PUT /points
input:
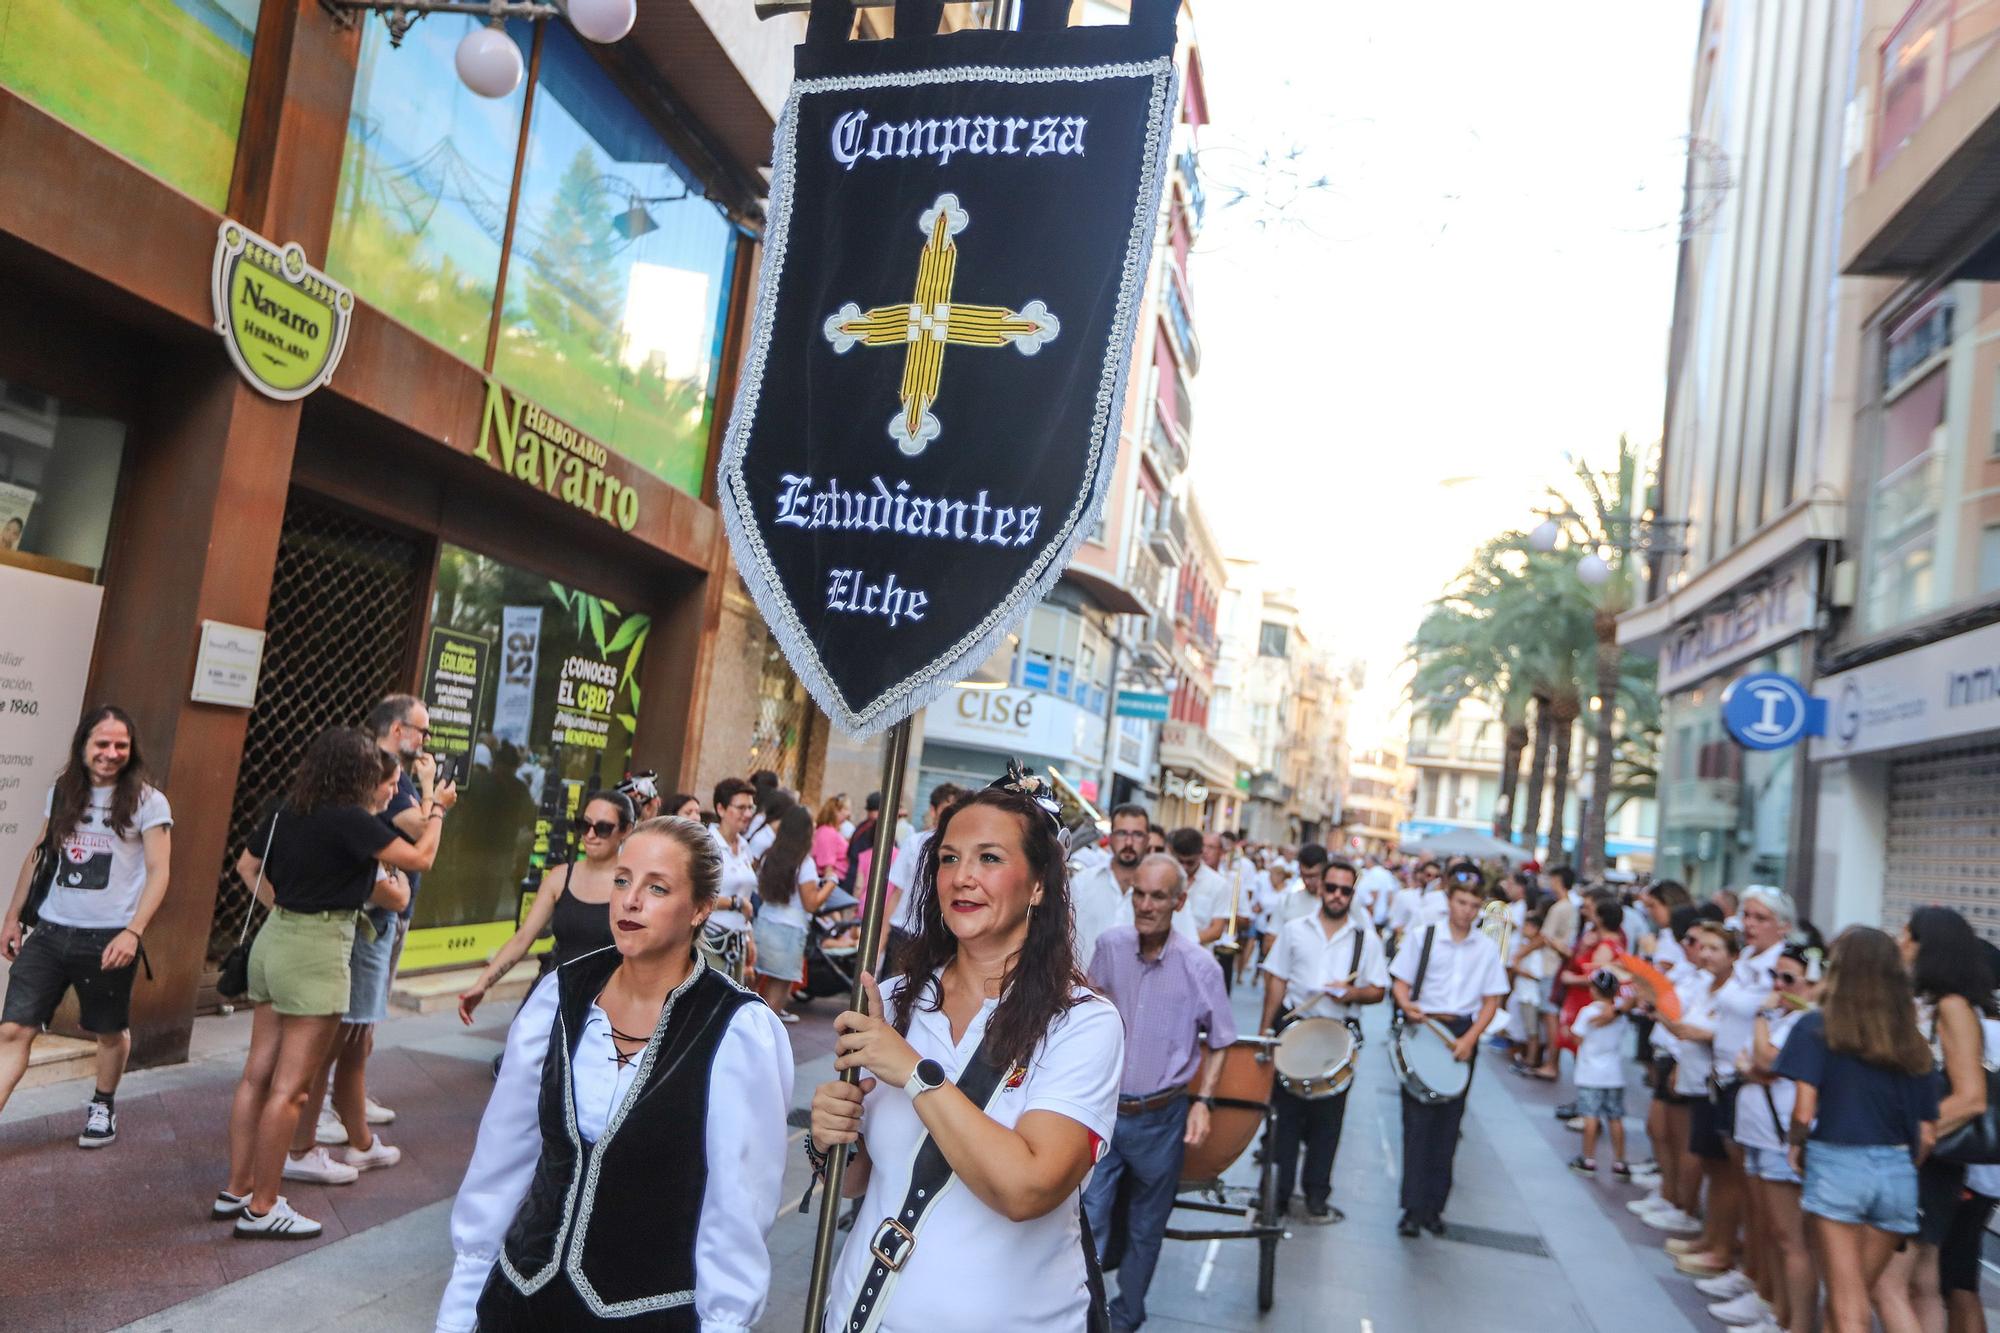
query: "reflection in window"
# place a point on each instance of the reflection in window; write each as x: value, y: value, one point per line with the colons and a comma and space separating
x: 58, y: 481
x: 160, y: 81
x: 424, y: 184
x: 616, y: 290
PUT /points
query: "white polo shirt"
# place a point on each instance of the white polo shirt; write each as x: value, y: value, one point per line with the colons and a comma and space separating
x: 903, y: 878
x: 1208, y: 899
x: 1097, y: 903
x: 1416, y: 908
x: 1375, y: 892
x: 1737, y: 1003
x: 972, y: 1270
x: 1461, y: 973
x: 739, y: 879
x: 1308, y: 959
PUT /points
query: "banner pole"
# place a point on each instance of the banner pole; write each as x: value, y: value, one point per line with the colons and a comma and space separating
x: 895, y: 759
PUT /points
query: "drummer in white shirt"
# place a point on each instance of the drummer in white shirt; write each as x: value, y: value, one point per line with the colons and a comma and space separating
x: 1424, y: 903
x: 1461, y: 986
x: 1326, y: 965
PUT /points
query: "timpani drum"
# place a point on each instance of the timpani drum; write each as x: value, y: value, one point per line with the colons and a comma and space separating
x: 1241, y: 1095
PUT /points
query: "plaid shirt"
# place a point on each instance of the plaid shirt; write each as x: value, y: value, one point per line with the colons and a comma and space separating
x: 1166, y: 1003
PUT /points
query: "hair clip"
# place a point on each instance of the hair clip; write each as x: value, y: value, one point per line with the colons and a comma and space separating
x: 1021, y: 782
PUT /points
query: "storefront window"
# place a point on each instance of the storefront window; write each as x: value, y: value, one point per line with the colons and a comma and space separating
x: 424, y: 184
x: 160, y: 81
x: 58, y: 481
x: 1726, y: 816
x: 548, y: 676
x: 616, y: 291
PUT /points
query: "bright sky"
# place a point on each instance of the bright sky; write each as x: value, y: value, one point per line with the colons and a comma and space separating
x: 1395, y: 363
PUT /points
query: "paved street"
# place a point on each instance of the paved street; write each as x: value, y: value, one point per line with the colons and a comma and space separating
x: 1534, y: 1249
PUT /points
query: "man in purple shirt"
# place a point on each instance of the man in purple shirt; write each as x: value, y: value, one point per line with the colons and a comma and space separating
x: 1177, y: 1022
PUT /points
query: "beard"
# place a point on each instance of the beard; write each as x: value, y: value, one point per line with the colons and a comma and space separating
x: 1126, y: 856
x: 1332, y: 915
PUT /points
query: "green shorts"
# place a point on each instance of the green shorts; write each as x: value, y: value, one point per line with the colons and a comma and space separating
x: 298, y: 965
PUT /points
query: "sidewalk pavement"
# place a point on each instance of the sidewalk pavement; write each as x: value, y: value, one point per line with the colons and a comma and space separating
x: 1533, y: 1249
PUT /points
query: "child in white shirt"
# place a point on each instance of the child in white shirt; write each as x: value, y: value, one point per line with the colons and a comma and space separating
x: 1529, y: 971
x: 1600, y: 1073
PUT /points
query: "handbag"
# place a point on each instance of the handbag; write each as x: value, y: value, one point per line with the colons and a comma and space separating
x: 234, y: 980
x: 40, y: 879
x: 1977, y: 1141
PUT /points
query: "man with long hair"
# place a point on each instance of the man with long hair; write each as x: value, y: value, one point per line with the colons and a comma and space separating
x: 107, y: 826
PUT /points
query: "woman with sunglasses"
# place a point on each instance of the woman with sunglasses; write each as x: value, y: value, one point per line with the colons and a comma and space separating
x: 575, y: 900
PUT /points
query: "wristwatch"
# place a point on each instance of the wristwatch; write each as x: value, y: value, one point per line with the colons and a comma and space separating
x: 928, y: 1074
x: 1207, y: 1101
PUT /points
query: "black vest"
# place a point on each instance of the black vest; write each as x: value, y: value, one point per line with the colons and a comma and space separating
x: 618, y: 1217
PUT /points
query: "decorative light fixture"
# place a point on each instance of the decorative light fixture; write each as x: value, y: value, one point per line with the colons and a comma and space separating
x: 1593, y: 570
x: 482, y: 64
x: 1544, y: 537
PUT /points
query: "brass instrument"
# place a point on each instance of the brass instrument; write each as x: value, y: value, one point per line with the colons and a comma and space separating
x: 1495, y: 926
x: 1228, y: 943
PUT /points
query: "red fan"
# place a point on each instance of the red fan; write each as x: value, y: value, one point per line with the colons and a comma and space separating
x: 1651, y: 983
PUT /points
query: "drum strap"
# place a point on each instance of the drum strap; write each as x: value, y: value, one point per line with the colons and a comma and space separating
x: 1354, y: 964
x: 1423, y: 965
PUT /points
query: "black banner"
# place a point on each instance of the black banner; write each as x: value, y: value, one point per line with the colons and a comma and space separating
x: 455, y: 679
x: 959, y: 236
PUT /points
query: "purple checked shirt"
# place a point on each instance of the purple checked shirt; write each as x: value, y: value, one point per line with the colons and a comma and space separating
x: 1164, y: 1002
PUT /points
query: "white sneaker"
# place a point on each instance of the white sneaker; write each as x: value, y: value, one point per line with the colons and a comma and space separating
x: 330, y: 1130
x: 377, y: 1154
x: 1651, y: 1203
x: 281, y: 1223
x: 1727, y: 1287
x: 378, y: 1114
x: 1578, y: 1122
x: 1673, y: 1221
x: 319, y: 1169
x: 1748, y: 1308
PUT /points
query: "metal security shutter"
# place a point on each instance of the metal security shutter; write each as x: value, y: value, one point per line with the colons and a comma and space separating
x: 1944, y: 837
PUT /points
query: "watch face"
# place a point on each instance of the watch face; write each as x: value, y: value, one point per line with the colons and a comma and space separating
x: 930, y: 1073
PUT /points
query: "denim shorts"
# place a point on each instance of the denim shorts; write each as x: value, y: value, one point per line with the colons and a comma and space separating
x: 370, y: 967
x: 1769, y: 1164
x: 1863, y: 1185
x: 58, y: 958
x: 1601, y: 1103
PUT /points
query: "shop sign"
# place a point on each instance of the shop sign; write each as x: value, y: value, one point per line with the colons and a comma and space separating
x: 1753, y: 620
x: 520, y: 654
x: 455, y: 674
x: 227, y: 665
x: 45, y: 644
x: 1937, y: 692
x: 537, y: 448
x: 585, y: 693
x: 1767, y: 711
x: 1017, y: 722
x: 1147, y: 707
x: 1190, y: 789
x: 283, y: 321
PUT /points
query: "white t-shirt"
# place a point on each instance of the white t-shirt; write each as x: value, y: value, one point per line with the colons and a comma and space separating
x: 1097, y: 903
x: 1375, y: 891
x: 1534, y: 965
x: 1598, y: 1048
x: 1308, y: 959
x: 1669, y: 956
x: 101, y: 874
x: 1754, y: 1126
x: 903, y: 878
x: 1416, y: 908
x: 739, y: 880
x: 792, y: 913
x: 1460, y: 974
x: 1694, y: 1059
x: 1737, y: 1003
x: 1208, y: 899
x: 1028, y: 1275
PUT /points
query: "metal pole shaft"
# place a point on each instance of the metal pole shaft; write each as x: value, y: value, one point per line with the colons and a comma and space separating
x: 895, y: 758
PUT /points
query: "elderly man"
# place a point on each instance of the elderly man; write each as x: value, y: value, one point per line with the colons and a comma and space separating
x: 1177, y: 1023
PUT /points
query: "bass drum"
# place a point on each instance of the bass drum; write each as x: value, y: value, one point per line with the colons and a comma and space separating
x: 1315, y: 1057
x: 1421, y: 1055
x: 1241, y: 1096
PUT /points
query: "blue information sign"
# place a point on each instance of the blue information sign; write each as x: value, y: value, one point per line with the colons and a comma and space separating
x: 1767, y: 711
x: 1149, y: 707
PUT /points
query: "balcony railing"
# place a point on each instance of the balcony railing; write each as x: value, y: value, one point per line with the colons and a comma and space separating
x: 1197, y: 201
x: 1166, y: 445
x: 1925, y: 57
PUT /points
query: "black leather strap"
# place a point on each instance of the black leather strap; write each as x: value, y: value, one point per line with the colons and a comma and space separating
x: 1423, y: 965
x: 1354, y: 966
x: 895, y: 1238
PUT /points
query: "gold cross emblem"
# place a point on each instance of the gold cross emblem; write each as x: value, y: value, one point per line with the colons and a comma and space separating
x: 932, y: 320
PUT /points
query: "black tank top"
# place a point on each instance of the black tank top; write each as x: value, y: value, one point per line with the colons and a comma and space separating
x: 580, y: 927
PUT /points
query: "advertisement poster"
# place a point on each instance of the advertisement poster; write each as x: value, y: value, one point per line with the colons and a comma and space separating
x: 45, y: 644
x: 454, y: 683
x: 585, y: 692
x: 520, y: 651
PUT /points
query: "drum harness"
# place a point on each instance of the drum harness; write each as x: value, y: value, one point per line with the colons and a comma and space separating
x: 1353, y: 973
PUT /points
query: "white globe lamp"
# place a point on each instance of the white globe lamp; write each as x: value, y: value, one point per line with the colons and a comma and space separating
x: 1593, y: 571
x: 602, y: 21
x: 488, y: 62
x: 1543, y: 538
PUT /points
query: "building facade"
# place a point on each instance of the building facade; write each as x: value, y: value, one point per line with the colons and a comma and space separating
x: 1380, y: 787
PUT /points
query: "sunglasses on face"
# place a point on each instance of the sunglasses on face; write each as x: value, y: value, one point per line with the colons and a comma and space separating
x: 1344, y: 890
x: 1788, y: 978
x: 603, y: 828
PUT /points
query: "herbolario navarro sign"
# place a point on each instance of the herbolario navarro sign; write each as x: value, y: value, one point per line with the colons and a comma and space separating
x: 955, y: 258
x: 283, y: 321
x: 534, y: 446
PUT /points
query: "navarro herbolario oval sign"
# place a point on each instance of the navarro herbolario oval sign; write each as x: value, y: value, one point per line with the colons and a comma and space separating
x: 283, y: 321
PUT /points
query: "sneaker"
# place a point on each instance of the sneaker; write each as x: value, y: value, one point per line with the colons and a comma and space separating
x: 378, y: 1114
x: 787, y: 1016
x: 1696, y: 1265
x: 1674, y: 1222
x: 1652, y: 1203
x: 1577, y: 1122
x: 1583, y: 1166
x: 1645, y: 1168
x: 1749, y: 1308
x: 330, y: 1131
x: 1566, y: 1111
x: 227, y: 1205
x: 1678, y: 1247
x: 1324, y: 1215
x: 319, y: 1169
x: 376, y: 1154
x: 1725, y: 1288
x: 1621, y: 1173
x: 281, y: 1223
x: 100, y: 1126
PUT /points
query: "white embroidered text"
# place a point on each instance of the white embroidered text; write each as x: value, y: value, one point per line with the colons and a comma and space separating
x: 980, y: 136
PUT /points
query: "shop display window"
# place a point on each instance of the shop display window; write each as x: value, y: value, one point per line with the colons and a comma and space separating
x: 1725, y: 815
x: 158, y: 81
x: 424, y: 185
x: 549, y: 718
x: 620, y: 274
x: 58, y: 483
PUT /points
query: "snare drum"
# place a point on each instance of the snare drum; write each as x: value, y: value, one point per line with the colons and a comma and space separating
x: 1421, y: 1054
x: 1315, y: 1057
